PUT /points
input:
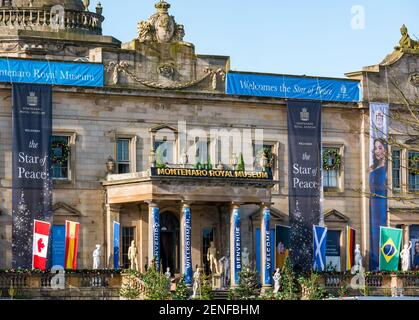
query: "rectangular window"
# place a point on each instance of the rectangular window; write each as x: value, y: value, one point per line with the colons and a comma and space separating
x: 123, y: 155
x: 60, y: 157
x: 263, y: 156
x: 164, y: 152
x: 207, y: 237
x: 413, y: 171
x: 396, y: 169
x: 127, y: 236
x: 330, y: 172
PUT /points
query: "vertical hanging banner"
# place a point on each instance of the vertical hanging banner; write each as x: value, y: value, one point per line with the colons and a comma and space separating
x: 156, y: 236
x: 116, y: 244
x: 32, y: 184
x: 304, y: 158
x: 71, y: 244
x: 350, y: 248
x: 41, y: 232
x: 237, y: 250
x: 377, y: 178
x: 188, y: 246
x: 320, y: 238
x: 266, y: 242
x: 390, y: 242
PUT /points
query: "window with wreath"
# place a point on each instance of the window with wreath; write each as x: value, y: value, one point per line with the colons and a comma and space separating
x: 60, y: 157
x: 332, y: 160
x: 263, y: 157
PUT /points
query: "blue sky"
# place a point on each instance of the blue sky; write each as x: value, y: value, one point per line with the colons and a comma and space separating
x: 279, y: 36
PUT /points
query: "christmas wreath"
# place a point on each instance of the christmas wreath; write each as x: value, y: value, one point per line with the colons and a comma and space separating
x: 331, y: 160
x: 414, y: 165
x: 65, y: 151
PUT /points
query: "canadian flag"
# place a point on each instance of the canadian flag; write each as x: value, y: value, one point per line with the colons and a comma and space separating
x: 41, y: 231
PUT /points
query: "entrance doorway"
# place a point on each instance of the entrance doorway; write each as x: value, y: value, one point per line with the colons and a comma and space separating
x: 170, y: 242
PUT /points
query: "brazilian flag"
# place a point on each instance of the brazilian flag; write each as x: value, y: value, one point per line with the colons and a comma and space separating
x: 390, y: 242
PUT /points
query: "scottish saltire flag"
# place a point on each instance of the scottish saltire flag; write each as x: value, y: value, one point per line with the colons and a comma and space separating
x: 390, y: 242
x: 319, y: 236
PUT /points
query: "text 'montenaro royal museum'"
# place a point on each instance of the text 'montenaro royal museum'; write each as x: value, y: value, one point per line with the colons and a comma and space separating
x: 148, y: 142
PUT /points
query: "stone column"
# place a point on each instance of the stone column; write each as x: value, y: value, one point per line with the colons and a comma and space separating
x: 235, y: 245
x: 186, y: 243
x: 154, y: 234
x: 266, y: 250
x: 112, y: 214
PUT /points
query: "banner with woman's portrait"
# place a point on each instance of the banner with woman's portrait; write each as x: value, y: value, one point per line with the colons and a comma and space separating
x: 378, y: 177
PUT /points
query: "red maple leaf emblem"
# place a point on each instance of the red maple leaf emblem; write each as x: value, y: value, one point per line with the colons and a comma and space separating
x: 41, y: 244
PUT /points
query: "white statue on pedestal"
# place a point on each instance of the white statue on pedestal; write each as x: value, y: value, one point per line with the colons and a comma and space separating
x: 132, y: 256
x: 212, y: 258
x: 196, y: 282
x: 245, y: 258
x: 358, y: 256
x: 96, y: 257
x: 168, y: 276
x: 405, y: 256
x: 225, y: 269
x: 277, y: 279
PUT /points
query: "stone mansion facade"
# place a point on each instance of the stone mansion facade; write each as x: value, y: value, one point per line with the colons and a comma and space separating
x: 155, y: 84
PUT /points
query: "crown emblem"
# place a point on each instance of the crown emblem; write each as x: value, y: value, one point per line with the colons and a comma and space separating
x: 304, y: 115
x: 162, y: 6
x: 32, y: 99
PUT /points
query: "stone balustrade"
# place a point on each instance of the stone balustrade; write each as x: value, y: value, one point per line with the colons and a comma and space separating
x: 39, y: 19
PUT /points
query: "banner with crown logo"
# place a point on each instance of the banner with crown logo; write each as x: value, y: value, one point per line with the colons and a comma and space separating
x: 32, y: 184
x: 304, y: 154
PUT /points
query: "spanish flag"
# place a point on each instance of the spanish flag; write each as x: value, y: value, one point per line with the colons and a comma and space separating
x: 350, y: 248
x: 71, y: 242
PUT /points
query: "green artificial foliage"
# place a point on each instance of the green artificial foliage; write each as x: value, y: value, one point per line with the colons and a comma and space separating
x: 182, y: 291
x: 241, y: 165
x: 159, y: 159
x: 248, y: 286
x: 313, y: 291
x: 155, y: 284
x: 290, y: 287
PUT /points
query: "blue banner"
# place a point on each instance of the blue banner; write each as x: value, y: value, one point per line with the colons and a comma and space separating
x: 31, y: 166
x: 237, y: 245
x: 188, y: 246
x: 58, y: 245
x: 267, y: 246
x: 379, y: 113
x: 279, y: 86
x: 50, y: 72
x: 156, y: 236
x: 320, y: 238
x: 116, y: 244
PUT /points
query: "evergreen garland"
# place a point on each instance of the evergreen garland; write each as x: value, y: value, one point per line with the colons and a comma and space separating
x: 327, y: 155
x: 65, y: 151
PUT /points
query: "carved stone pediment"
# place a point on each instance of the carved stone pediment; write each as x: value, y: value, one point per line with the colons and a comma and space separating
x: 335, y: 216
x: 63, y: 209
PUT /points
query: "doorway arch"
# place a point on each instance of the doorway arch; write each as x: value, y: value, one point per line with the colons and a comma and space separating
x: 170, y: 242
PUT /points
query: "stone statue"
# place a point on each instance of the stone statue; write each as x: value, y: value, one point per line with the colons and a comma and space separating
x: 96, y: 257
x: 168, y: 276
x: 161, y: 27
x: 358, y: 256
x: 405, y: 256
x: 225, y: 269
x: 132, y: 256
x: 196, y: 282
x: 406, y: 43
x: 277, y: 279
x: 245, y: 258
x: 212, y: 258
